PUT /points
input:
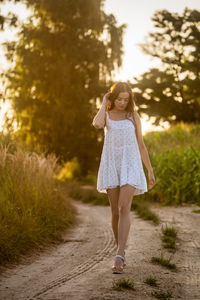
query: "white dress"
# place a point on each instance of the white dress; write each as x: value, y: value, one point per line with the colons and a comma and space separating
x: 120, y: 162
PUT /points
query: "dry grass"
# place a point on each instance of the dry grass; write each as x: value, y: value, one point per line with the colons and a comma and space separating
x: 34, y: 207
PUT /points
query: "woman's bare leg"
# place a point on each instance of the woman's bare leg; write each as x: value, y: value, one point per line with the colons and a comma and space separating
x: 125, y: 199
x: 113, y: 196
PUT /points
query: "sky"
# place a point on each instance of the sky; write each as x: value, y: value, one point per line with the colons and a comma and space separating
x: 137, y: 15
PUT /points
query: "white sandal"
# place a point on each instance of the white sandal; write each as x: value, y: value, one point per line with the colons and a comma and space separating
x: 118, y: 270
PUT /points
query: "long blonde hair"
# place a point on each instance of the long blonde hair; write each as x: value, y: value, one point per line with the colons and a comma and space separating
x: 117, y: 88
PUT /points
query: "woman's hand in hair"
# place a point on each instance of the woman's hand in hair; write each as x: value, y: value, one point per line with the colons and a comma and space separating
x: 106, y: 101
x: 99, y: 120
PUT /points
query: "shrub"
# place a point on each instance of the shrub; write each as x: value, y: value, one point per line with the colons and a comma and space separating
x: 70, y: 170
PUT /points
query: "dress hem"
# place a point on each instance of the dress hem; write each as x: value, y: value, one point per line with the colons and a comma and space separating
x: 138, y: 189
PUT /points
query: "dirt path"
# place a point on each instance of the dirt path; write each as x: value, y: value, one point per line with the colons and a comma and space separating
x: 80, y: 267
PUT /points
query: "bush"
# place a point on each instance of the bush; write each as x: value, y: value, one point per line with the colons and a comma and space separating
x: 70, y: 170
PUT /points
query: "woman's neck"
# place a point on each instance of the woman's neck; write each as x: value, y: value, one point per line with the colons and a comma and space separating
x: 118, y: 111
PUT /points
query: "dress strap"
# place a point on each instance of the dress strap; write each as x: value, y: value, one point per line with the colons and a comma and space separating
x: 131, y: 116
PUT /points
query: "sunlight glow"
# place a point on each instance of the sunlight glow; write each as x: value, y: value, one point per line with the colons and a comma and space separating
x: 4, y: 109
x: 137, y: 15
x: 148, y: 127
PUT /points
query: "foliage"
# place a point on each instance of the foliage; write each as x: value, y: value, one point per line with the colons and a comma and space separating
x: 34, y: 207
x: 162, y: 295
x: 143, y: 210
x: 165, y: 262
x: 70, y: 170
x: 151, y: 281
x: 175, y: 157
x: 123, y: 283
x: 9, y: 20
x: 178, y: 176
x: 169, y: 236
x: 90, y: 195
x: 63, y: 61
x: 177, y: 137
x: 197, y: 211
x: 171, y: 93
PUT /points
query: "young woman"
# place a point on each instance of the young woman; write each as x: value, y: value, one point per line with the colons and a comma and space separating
x: 121, y: 173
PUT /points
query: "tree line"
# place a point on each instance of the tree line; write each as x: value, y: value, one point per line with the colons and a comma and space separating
x: 62, y: 64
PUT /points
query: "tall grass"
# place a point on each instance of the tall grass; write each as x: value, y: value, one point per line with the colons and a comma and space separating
x: 178, y: 176
x: 175, y: 156
x: 176, y: 138
x: 34, y: 208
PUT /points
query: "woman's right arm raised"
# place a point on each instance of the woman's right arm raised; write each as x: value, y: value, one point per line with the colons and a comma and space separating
x: 99, y: 119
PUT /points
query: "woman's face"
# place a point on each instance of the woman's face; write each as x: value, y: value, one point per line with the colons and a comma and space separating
x: 121, y: 101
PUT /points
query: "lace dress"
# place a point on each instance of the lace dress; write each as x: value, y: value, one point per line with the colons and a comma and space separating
x: 120, y: 161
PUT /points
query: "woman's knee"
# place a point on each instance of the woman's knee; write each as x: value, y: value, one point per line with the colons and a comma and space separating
x: 115, y: 214
x: 127, y: 191
x: 113, y: 192
x: 124, y: 208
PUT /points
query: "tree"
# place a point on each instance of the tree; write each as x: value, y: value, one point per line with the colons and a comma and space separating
x: 10, y: 19
x: 172, y: 93
x: 64, y: 59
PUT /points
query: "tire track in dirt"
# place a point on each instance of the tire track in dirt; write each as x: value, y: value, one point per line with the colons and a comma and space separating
x: 83, y: 267
x: 143, y: 243
x: 81, y: 244
x: 87, y: 254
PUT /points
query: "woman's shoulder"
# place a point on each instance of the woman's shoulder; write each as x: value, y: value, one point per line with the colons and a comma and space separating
x: 136, y: 115
x: 129, y: 114
x: 132, y: 114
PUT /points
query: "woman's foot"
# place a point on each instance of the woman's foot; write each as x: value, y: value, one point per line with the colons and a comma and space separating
x: 118, y: 264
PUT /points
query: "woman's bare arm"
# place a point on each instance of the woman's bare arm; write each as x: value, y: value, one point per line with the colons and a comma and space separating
x: 143, y: 151
x: 141, y: 144
x: 100, y: 117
